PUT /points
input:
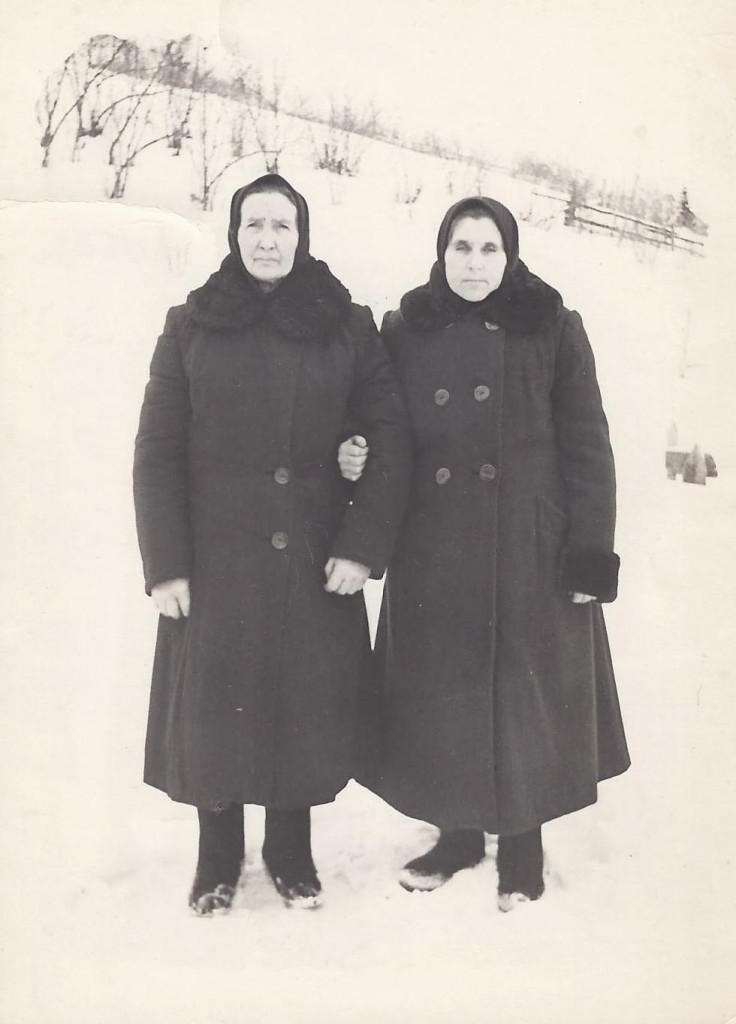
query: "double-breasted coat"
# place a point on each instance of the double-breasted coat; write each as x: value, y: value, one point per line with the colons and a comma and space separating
x: 238, y: 489
x: 494, y: 704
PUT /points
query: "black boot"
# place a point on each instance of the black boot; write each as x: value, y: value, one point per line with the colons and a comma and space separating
x: 454, y: 850
x: 287, y: 854
x: 221, y: 854
x: 520, y: 863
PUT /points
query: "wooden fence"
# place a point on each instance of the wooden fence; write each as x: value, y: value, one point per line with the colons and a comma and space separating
x: 595, y: 218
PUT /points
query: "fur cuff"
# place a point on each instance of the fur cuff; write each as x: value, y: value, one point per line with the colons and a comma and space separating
x: 591, y: 572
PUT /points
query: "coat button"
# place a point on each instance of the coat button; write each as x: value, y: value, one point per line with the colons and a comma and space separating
x: 280, y: 540
x: 487, y: 471
x: 490, y: 327
x: 481, y: 393
x: 282, y: 475
x: 442, y: 475
x: 441, y: 397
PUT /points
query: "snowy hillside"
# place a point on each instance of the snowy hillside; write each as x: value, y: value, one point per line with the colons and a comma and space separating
x: 641, y: 903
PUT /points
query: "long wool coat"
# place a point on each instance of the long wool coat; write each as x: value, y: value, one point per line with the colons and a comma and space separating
x: 237, y: 488
x: 495, y: 705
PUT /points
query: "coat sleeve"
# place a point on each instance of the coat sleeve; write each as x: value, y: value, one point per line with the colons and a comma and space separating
x: 376, y: 408
x: 589, y: 563
x: 160, y: 466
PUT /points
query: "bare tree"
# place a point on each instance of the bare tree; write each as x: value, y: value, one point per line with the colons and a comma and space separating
x: 268, y: 120
x: 408, y: 190
x: 217, y: 143
x: 47, y: 110
x: 183, y: 71
x: 163, y: 71
x: 177, y: 116
x: 70, y: 91
x: 269, y: 113
x: 138, y: 121
x: 340, y: 147
x: 135, y: 136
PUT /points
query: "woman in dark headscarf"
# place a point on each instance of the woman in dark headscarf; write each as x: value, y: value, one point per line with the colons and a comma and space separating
x: 495, y: 707
x: 254, y: 547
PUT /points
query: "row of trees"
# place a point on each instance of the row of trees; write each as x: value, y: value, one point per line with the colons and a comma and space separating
x: 128, y: 99
x: 125, y: 99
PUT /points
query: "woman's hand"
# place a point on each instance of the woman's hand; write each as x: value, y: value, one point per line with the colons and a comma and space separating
x: 344, y: 577
x: 578, y: 598
x: 351, y: 456
x: 172, y: 598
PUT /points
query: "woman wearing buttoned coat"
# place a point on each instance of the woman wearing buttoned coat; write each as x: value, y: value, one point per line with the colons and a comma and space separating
x: 495, y: 706
x: 254, y: 548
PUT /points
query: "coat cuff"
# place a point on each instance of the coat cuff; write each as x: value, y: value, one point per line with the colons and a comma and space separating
x: 364, y: 555
x: 594, y: 572
x: 163, y: 570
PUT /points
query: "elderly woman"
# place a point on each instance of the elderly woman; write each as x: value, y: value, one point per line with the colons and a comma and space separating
x: 254, y: 547
x: 495, y: 707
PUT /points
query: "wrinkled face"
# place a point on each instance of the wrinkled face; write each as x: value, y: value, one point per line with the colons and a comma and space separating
x: 474, y: 259
x: 268, y: 237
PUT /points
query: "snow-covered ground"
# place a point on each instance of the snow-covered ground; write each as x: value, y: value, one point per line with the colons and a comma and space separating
x: 641, y: 905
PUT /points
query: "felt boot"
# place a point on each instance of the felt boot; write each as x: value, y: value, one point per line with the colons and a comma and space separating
x: 520, y: 863
x: 453, y: 851
x: 287, y: 854
x: 221, y: 854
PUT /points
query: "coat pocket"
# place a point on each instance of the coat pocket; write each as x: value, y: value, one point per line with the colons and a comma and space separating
x: 550, y: 517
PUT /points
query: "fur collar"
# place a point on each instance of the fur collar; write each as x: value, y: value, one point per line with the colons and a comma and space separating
x: 308, y: 304
x: 522, y: 303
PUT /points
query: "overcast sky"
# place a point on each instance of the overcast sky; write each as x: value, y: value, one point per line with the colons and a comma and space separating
x: 619, y: 88
x: 622, y: 87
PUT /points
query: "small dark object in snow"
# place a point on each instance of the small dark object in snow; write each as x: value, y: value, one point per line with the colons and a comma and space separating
x: 693, y: 466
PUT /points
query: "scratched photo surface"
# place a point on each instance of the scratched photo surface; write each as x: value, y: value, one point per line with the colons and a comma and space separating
x: 608, y: 131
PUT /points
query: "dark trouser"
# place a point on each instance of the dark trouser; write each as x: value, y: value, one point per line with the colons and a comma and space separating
x: 221, y: 847
x: 287, y: 844
x: 520, y: 863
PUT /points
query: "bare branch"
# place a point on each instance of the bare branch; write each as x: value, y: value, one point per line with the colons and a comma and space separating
x: 236, y: 160
x: 82, y: 81
x: 140, y: 122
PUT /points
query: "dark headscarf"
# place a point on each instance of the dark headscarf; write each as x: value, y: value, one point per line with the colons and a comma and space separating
x: 503, y: 218
x: 522, y: 302
x: 270, y: 183
x: 307, y: 304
